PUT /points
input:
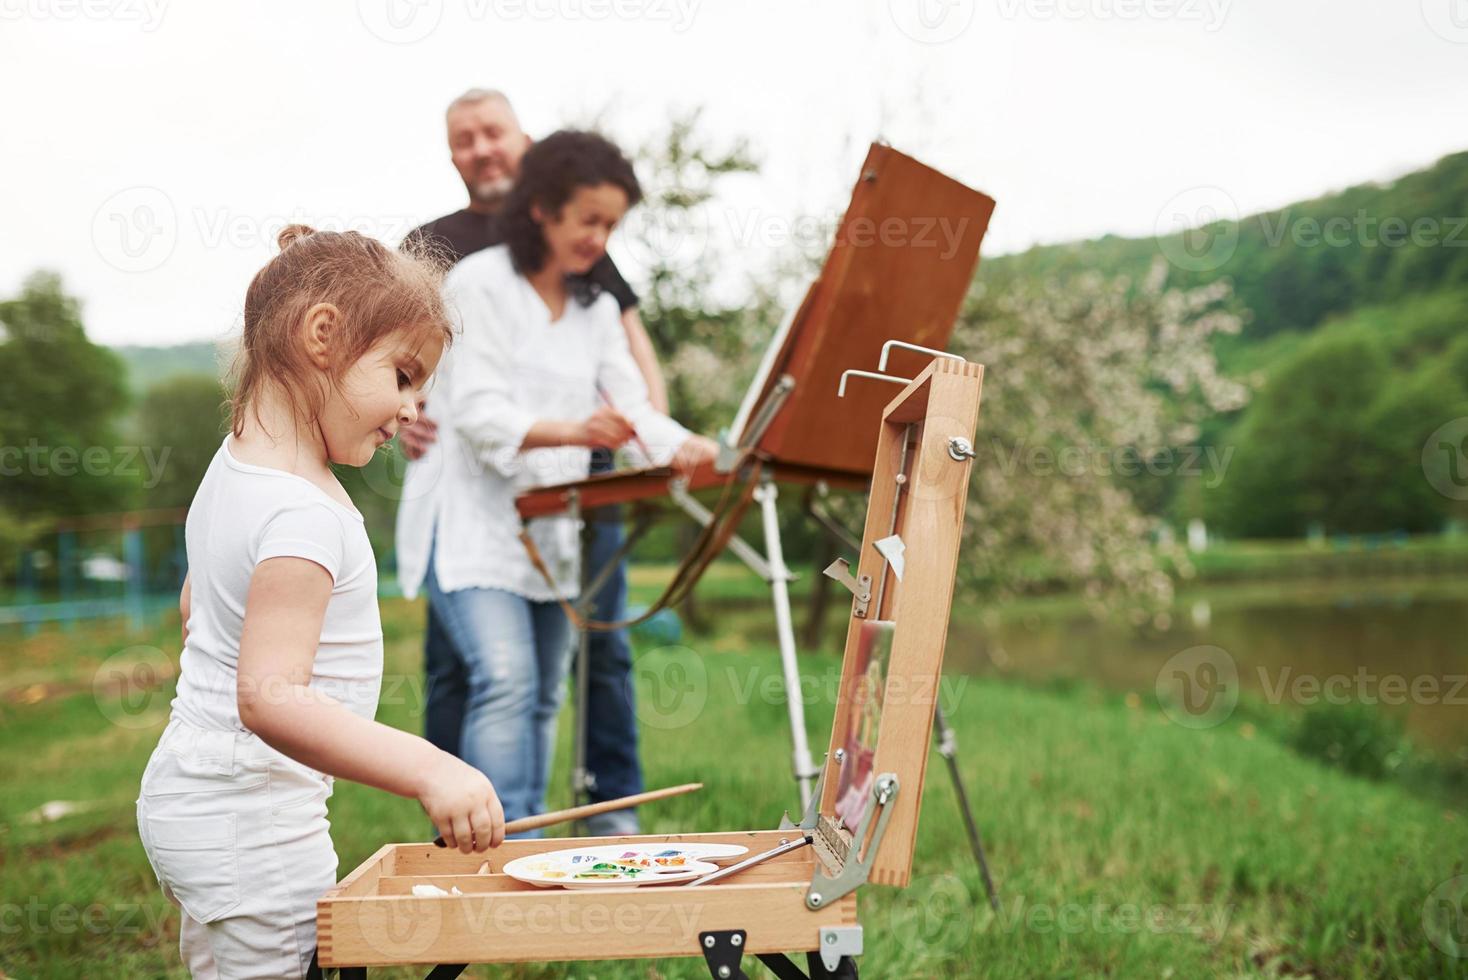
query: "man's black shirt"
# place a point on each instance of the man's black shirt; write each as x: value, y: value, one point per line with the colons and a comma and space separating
x: 465, y: 232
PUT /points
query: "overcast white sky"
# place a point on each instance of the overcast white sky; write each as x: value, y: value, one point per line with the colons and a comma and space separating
x: 153, y: 147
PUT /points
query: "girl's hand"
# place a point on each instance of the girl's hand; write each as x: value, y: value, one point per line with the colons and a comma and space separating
x: 462, y: 804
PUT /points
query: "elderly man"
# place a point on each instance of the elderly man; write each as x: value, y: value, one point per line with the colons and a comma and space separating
x: 486, y: 144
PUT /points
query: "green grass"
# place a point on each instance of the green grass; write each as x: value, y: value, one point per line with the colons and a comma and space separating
x: 1352, y: 557
x: 1122, y: 844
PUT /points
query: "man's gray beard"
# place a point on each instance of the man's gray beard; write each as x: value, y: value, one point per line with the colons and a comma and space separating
x: 491, y: 196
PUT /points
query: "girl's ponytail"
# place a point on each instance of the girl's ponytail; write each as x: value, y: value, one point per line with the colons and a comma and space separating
x: 291, y: 234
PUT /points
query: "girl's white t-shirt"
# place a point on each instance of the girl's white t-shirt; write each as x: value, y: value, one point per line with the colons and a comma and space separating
x: 241, y: 515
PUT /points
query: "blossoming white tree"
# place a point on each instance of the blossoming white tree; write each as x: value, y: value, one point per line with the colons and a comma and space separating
x: 1087, y: 379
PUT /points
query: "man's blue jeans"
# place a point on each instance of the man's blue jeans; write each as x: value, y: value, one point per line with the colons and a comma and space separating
x: 611, y: 730
x: 448, y: 688
x: 513, y: 654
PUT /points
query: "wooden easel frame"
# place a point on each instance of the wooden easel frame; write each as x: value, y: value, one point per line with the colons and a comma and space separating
x: 372, y: 918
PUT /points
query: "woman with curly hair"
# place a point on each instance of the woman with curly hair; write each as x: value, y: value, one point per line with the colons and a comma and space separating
x: 541, y: 375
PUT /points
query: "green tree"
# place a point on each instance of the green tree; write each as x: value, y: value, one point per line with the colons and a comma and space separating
x: 1396, y: 425
x: 185, y: 418
x: 1298, y: 450
x: 62, y: 396
x: 1334, y: 439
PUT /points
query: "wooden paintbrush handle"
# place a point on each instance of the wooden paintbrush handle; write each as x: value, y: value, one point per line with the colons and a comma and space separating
x: 540, y: 820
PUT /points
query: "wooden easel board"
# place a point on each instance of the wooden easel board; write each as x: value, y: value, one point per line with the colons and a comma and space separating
x: 904, y: 256
x: 926, y: 507
x: 902, y: 261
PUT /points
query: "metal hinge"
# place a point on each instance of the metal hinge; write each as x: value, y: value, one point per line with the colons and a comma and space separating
x: 825, y: 889
x: 861, y: 588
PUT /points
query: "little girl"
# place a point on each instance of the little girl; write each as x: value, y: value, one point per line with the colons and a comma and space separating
x: 282, y: 651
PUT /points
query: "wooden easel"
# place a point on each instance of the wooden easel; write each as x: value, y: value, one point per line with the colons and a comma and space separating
x: 862, y: 823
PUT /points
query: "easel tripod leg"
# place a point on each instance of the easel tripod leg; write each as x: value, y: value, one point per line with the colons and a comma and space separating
x: 804, y: 766
x: 781, y: 966
x: 948, y: 749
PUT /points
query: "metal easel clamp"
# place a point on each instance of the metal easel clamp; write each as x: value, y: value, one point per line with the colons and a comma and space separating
x: 839, y: 941
x: 727, y: 458
x: 812, y: 816
x: 730, y: 454
x: 825, y: 889
x: 861, y: 588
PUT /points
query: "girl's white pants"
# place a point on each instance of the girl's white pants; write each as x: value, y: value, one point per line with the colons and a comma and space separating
x: 238, y: 837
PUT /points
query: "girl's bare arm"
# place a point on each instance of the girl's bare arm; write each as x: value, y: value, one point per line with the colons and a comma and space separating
x: 283, y: 618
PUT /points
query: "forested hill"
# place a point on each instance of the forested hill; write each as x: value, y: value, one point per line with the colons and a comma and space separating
x: 1294, y: 268
x: 1356, y: 330
x: 146, y: 366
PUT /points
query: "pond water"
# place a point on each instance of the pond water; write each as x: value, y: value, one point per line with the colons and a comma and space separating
x: 1401, y: 645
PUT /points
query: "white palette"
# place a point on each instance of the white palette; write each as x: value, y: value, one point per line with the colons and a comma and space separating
x: 620, y: 865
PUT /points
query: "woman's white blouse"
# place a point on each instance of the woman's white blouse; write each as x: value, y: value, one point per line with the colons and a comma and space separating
x: 508, y: 368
